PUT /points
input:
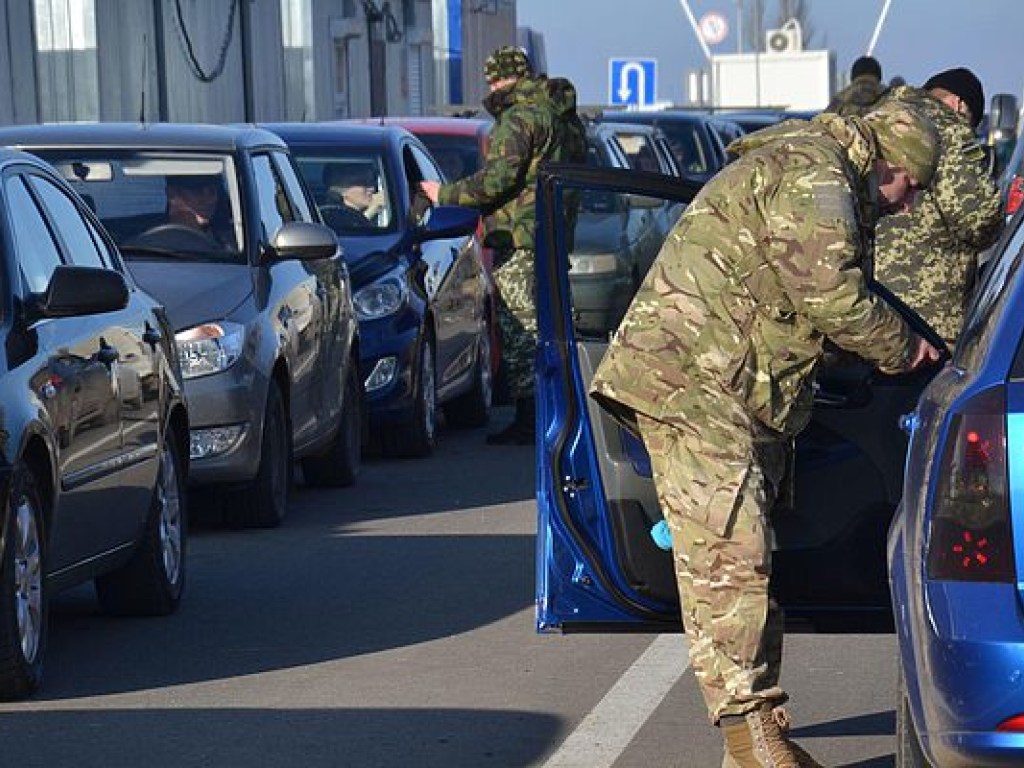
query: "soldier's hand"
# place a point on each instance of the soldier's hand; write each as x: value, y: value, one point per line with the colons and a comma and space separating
x: 430, y: 189
x: 923, y: 354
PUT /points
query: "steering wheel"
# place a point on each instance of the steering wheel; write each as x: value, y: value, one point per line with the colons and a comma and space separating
x: 176, y: 237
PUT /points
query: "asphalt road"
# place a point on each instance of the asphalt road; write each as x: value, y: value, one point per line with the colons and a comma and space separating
x: 391, y: 624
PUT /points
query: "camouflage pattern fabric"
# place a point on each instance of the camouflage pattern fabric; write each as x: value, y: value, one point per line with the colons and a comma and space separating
x: 723, y: 555
x: 907, y: 138
x: 535, y: 122
x: 929, y: 256
x: 517, y: 321
x: 764, y: 263
x: 858, y: 97
x: 507, y: 61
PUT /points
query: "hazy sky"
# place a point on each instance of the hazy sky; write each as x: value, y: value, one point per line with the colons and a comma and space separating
x: 918, y: 38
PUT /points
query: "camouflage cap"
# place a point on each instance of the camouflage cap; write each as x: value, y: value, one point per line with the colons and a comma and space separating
x: 906, y: 138
x: 507, y: 61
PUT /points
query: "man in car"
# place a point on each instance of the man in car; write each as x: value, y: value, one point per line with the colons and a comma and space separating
x: 193, y: 201
x: 713, y: 366
x: 535, y: 122
x: 864, y: 90
x: 352, y: 200
x: 929, y: 256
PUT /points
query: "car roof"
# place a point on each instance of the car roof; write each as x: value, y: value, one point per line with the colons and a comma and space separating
x: 458, y: 126
x: 219, y: 138
x: 653, y: 116
x: 9, y: 156
x: 338, y: 133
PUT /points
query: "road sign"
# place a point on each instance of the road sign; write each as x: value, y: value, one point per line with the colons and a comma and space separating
x: 632, y: 82
x: 713, y: 28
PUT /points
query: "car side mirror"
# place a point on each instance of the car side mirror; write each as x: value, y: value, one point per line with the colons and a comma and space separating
x: 447, y: 221
x: 74, y: 291
x: 1003, y: 115
x: 305, y: 241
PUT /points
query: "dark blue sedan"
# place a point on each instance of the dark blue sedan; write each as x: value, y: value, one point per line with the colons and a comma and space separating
x: 956, y: 547
x: 422, y: 304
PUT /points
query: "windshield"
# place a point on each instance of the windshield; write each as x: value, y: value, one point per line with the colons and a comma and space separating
x: 160, y: 204
x: 352, y: 189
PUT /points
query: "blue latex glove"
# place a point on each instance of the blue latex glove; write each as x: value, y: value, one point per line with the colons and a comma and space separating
x: 662, y: 536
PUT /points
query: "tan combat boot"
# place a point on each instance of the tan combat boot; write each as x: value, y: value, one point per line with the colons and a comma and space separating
x: 759, y: 741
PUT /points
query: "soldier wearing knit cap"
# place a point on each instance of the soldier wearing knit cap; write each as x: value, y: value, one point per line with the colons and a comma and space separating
x: 535, y: 121
x: 713, y: 366
x: 928, y: 256
x: 864, y: 90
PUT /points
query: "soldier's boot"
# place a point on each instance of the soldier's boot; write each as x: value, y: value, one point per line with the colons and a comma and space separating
x: 758, y: 740
x: 522, y: 430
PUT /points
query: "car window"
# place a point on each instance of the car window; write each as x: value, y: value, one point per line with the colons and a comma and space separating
x: 79, y: 244
x: 988, y: 301
x: 686, y: 146
x: 293, y: 187
x: 428, y: 171
x: 274, y: 206
x: 351, y: 187
x: 38, y: 254
x: 639, y: 151
x: 458, y: 156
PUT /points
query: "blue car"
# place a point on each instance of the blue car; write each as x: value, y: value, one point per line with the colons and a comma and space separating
x: 956, y: 547
x: 422, y: 300
x: 598, y: 565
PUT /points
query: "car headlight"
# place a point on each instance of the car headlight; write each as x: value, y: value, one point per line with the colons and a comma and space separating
x: 209, y: 348
x: 380, y: 298
x: 593, y: 263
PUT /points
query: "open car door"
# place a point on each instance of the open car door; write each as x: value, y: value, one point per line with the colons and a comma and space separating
x: 598, y: 567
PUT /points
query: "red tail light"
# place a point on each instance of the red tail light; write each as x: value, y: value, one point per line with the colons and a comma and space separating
x: 1015, y: 195
x: 970, y: 538
x: 1013, y: 724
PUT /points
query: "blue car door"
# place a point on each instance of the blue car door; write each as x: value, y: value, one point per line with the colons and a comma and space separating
x: 598, y: 565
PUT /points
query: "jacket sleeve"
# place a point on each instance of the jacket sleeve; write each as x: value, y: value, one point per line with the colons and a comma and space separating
x: 966, y: 196
x: 815, y: 250
x: 500, y: 178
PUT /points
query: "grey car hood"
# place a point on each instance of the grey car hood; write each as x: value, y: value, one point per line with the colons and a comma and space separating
x: 194, y: 292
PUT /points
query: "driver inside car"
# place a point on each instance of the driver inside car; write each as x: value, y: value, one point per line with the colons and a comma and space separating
x: 193, y: 202
x: 353, y: 200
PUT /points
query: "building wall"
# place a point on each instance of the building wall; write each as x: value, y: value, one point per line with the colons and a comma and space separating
x: 19, y: 100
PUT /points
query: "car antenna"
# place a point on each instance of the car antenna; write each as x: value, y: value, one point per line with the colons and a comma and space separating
x: 145, y: 79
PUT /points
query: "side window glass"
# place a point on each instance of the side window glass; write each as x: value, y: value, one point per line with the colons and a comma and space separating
x: 428, y: 170
x: 67, y: 218
x: 38, y: 254
x: 293, y: 187
x: 274, y: 210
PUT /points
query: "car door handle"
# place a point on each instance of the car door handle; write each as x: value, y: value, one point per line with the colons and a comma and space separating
x: 108, y: 356
x: 151, y: 336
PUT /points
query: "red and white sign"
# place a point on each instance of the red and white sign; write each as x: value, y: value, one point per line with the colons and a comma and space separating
x: 713, y: 28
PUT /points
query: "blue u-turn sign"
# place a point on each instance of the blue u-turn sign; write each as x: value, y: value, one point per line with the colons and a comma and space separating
x: 632, y: 82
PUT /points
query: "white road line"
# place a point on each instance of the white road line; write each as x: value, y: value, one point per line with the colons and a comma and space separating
x: 606, y: 732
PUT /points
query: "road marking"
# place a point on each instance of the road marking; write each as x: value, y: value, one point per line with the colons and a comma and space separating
x: 605, y: 733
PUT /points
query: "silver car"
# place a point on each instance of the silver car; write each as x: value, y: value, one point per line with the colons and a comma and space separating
x: 215, y: 222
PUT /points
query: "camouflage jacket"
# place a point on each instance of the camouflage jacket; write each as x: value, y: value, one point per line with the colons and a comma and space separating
x: 858, y: 97
x: 765, y: 262
x: 535, y: 122
x: 928, y: 256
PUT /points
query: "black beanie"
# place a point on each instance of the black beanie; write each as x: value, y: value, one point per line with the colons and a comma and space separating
x: 963, y: 83
x: 866, y: 65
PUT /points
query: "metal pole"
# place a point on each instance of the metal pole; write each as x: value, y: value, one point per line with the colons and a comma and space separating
x: 696, y: 29
x: 878, y: 27
x: 739, y: 26
x: 160, y: 54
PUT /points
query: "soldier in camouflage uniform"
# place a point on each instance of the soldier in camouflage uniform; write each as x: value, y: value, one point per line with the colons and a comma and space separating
x: 535, y: 122
x: 713, y: 363
x: 864, y: 90
x: 928, y: 256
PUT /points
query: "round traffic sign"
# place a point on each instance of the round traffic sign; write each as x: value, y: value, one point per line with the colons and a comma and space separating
x: 713, y: 28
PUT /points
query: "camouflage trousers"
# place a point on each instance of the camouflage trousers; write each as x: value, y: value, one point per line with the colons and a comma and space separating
x: 716, y: 477
x: 517, y: 321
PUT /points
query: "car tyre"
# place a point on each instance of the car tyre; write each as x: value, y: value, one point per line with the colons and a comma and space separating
x: 419, y: 436
x: 473, y: 408
x: 908, y: 746
x: 264, y: 503
x: 152, y: 582
x: 340, y: 465
x: 23, y: 599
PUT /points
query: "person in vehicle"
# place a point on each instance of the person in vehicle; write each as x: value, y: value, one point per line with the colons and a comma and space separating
x: 352, y: 199
x: 928, y: 256
x: 713, y: 364
x: 535, y: 122
x: 864, y: 90
x: 193, y: 201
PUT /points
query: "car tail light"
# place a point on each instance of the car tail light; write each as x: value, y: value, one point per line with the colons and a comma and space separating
x: 1013, y: 724
x: 970, y: 538
x: 1015, y: 195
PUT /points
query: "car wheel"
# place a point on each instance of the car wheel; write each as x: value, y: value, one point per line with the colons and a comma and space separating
x: 908, y: 745
x: 264, y: 503
x: 339, y: 466
x: 473, y: 408
x: 418, y: 437
x: 152, y: 582
x: 23, y: 604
